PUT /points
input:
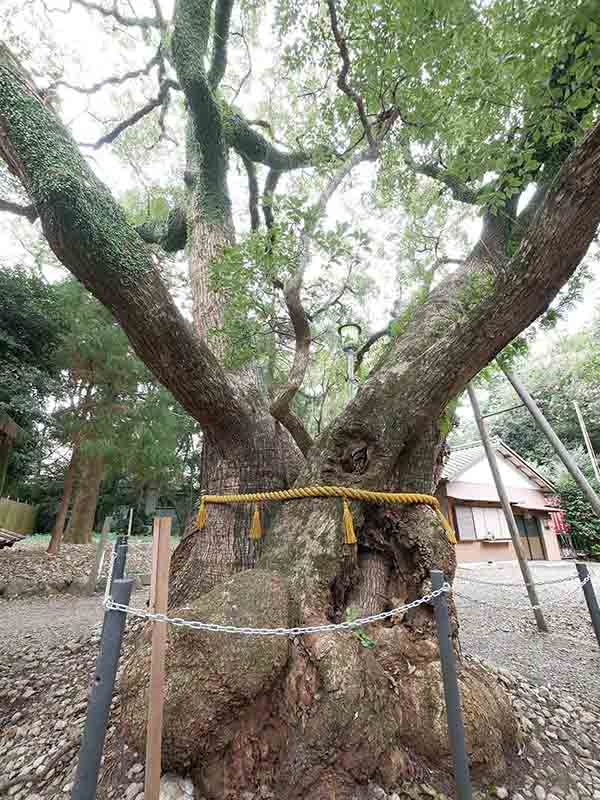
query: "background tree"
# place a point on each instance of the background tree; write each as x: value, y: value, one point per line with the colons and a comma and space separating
x: 493, y: 106
x: 32, y: 322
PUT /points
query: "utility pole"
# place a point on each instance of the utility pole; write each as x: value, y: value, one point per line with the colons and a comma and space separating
x: 508, y: 513
x: 588, y: 441
x: 559, y: 448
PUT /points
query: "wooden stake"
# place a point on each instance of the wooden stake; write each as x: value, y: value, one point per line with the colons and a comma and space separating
x: 99, y: 559
x: 159, y: 593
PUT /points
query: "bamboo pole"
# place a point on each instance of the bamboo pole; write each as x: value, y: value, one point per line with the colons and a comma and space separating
x: 159, y: 592
x: 508, y: 513
x: 588, y: 441
x: 559, y: 448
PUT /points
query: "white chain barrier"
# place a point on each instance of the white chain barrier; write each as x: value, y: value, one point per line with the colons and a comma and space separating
x: 214, y: 627
x: 524, y: 606
x: 461, y: 577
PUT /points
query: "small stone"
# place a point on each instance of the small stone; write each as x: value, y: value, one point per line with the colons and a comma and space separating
x: 539, y: 792
x: 67, y: 787
x: 501, y: 792
x: 134, y: 789
x: 376, y: 792
x: 394, y: 796
x: 551, y: 796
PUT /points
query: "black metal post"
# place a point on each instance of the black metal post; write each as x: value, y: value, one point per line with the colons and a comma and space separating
x: 121, y: 546
x: 456, y: 729
x: 100, y: 695
x: 590, y: 598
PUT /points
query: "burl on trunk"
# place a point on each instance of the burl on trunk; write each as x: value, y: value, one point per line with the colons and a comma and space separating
x: 317, y: 716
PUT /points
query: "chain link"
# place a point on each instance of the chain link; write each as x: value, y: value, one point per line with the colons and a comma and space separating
x: 461, y: 577
x: 525, y: 607
x: 110, y: 605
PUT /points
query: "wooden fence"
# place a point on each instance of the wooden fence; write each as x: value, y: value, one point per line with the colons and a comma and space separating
x: 17, y: 517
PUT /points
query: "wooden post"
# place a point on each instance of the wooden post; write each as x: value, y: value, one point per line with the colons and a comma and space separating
x: 94, y: 574
x: 159, y: 595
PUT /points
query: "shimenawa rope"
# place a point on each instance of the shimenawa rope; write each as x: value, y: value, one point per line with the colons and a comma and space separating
x: 344, y: 492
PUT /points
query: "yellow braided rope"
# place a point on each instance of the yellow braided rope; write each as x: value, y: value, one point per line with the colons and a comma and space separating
x: 300, y: 492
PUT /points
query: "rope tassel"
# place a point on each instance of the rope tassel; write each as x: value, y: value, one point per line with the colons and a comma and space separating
x: 201, y: 515
x: 445, y: 525
x: 256, y: 527
x: 349, y: 535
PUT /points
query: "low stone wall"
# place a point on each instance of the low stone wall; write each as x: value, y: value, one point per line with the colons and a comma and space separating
x: 26, y: 570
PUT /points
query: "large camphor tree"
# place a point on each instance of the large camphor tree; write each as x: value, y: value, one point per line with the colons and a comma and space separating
x: 486, y: 105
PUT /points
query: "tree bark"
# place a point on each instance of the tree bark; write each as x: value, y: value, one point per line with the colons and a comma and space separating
x: 61, y: 514
x: 81, y: 523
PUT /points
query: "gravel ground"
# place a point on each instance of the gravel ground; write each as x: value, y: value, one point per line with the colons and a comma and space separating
x: 41, y: 714
x: 49, y: 622
x: 497, y: 624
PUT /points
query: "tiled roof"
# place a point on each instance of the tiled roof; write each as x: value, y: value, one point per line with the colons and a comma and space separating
x: 461, y: 458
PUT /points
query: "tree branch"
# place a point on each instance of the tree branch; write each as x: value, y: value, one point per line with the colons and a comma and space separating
x: 342, y: 80
x: 364, y: 349
x: 470, y: 317
x: 257, y: 148
x: 280, y: 407
x: 90, y: 235
x: 134, y: 22
x: 220, y: 42
x: 170, y: 233
x: 109, y: 137
x: 460, y: 191
x: 29, y: 212
x: 114, y: 80
x: 269, y: 193
x: 253, y: 193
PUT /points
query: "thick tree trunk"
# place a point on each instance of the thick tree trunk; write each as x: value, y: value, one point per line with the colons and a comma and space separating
x: 81, y: 523
x: 61, y: 514
x: 316, y: 717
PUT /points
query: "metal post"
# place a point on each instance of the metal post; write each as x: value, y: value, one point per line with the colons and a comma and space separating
x: 100, y: 696
x: 350, y: 371
x: 121, y: 546
x: 456, y: 728
x: 508, y: 512
x: 559, y: 448
x: 588, y: 441
x: 590, y: 598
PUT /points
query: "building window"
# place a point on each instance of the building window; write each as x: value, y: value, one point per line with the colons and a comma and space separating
x: 480, y: 522
x: 465, y: 523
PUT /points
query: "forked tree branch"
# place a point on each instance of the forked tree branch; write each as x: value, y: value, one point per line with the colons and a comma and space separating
x: 342, y: 80
x: 108, y: 138
x: 90, y: 235
x: 281, y: 405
